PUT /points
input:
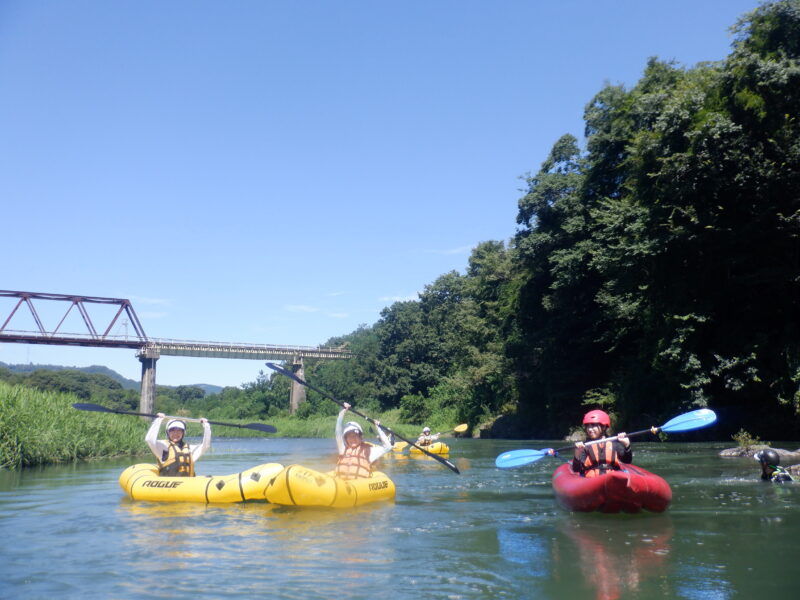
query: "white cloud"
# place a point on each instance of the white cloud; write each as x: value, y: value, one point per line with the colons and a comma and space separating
x: 300, y: 308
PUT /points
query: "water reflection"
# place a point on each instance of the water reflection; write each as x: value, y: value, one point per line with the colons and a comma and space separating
x: 615, y: 554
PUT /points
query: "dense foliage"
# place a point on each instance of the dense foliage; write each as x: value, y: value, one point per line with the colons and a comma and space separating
x: 654, y: 271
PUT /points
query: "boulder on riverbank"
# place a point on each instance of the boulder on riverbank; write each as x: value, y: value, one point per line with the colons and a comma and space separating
x: 787, y: 456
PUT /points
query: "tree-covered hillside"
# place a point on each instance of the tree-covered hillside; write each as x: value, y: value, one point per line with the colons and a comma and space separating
x: 654, y: 270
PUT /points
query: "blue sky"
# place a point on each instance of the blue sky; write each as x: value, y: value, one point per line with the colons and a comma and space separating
x: 279, y: 172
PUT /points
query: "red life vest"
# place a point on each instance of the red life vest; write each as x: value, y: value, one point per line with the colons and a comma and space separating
x: 354, y: 462
x: 599, y: 458
x: 176, y: 461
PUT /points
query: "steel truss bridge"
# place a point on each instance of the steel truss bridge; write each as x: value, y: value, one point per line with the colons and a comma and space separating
x: 148, y: 349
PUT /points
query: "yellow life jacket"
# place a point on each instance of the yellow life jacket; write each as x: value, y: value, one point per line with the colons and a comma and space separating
x: 354, y: 462
x: 176, y: 461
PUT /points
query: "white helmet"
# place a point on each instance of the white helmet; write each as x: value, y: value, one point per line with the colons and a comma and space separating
x: 176, y: 424
x: 426, y: 430
x: 352, y: 426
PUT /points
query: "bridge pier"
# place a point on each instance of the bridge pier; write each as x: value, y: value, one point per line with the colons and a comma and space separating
x: 148, y: 358
x: 298, y: 393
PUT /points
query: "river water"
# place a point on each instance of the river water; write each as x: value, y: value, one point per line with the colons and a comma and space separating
x: 71, y: 532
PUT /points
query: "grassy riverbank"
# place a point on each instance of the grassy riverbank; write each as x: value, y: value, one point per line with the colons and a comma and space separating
x: 42, y: 428
x: 38, y: 428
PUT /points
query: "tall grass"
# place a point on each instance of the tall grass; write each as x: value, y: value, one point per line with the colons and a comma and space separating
x: 42, y: 427
x: 39, y: 428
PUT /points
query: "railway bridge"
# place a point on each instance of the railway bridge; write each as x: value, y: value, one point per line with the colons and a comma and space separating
x: 148, y: 350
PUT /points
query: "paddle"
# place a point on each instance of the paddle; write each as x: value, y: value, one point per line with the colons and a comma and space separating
x: 400, y: 446
x: 685, y: 422
x: 98, y: 408
x: 294, y: 377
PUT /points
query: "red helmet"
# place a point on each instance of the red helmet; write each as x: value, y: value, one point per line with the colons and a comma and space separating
x: 597, y: 416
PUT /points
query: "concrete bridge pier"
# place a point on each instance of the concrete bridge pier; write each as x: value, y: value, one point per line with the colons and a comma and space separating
x: 298, y: 393
x: 148, y: 358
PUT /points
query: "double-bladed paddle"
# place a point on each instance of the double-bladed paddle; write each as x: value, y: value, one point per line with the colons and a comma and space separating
x: 695, y: 419
x: 294, y: 377
x: 97, y: 408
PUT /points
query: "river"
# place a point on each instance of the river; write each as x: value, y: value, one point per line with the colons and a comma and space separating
x: 71, y: 532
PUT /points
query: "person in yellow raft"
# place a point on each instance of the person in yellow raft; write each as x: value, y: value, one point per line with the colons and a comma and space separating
x: 355, y: 455
x: 176, y: 458
x: 425, y: 438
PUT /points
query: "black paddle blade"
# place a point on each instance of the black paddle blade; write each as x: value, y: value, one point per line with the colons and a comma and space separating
x: 261, y: 427
x: 91, y: 407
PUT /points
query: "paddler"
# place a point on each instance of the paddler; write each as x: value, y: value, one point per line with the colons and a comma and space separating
x: 176, y: 457
x: 595, y: 459
x: 771, y: 469
x: 355, y: 455
x: 425, y: 438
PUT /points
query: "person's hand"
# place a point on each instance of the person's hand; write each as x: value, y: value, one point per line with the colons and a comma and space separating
x: 579, y: 445
x: 160, y: 415
x: 346, y: 405
x: 623, y: 437
x: 377, y: 423
x: 203, y: 420
x: 654, y: 430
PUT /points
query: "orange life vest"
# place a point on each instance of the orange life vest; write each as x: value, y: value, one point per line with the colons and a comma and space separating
x: 599, y: 458
x: 176, y: 461
x: 354, y: 462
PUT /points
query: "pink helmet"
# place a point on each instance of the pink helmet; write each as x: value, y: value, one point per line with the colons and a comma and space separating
x: 597, y: 416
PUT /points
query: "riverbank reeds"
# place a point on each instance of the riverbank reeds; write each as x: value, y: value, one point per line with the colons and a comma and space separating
x: 39, y: 428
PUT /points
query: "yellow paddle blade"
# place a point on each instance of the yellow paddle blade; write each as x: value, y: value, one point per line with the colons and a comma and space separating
x: 460, y: 428
x: 399, y: 446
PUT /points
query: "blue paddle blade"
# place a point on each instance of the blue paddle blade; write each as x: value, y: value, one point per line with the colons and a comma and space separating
x: 691, y: 420
x: 518, y: 458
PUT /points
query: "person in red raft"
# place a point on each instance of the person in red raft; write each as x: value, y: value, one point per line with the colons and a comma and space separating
x: 595, y: 459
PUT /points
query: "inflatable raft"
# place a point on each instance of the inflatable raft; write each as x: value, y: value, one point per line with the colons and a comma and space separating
x: 300, y: 486
x: 629, y: 490
x: 293, y: 486
x: 142, y: 482
x: 434, y: 448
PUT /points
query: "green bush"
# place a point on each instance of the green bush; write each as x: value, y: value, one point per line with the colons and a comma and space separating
x: 39, y: 427
x: 744, y: 439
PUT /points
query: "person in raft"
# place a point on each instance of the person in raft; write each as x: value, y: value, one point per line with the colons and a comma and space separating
x: 176, y: 458
x: 425, y: 438
x: 355, y: 455
x: 771, y: 469
x: 595, y: 459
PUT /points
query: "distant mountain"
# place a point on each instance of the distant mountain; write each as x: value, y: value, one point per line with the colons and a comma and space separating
x: 128, y: 384
x: 208, y: 388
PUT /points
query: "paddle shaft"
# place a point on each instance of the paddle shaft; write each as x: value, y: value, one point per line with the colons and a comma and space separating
x: 607, y: 439
x: 99, y: 408
x: 294, y: 377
